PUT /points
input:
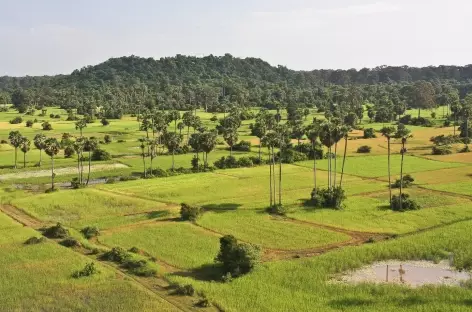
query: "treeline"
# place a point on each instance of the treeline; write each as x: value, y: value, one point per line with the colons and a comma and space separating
x: 133, y: 84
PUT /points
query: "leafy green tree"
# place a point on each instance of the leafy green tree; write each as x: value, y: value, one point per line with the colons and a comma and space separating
x: 237, y: 259
x: 231, y: 138
x: 80, y: 125
x: 208, y: 144
x: 423, y: 96
x: 259, y: 130
x: 25, y: 147
x: 52, y: 148
x: 15, y: 138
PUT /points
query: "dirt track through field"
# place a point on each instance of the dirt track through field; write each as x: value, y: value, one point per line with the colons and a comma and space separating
x: 21, y: 217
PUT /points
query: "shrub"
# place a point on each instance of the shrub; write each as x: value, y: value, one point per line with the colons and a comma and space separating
x: 34, y: 240
x: 445, y: 139
x: 4, y: 142
x: 88, y: 270
x: 237, y: 258
x: 70, y: 242
x: 433, y: 115
x: 205, y: 303
x: 189, y: 213
x: 328, y: 198
x: 116, y: 254
x: 441, y: 150
x: 226, y: 162
x: 51, y: 115
x: 277, y: 209
x: 290, y: 156
x: 57, y: 116
x: 242, y: 146
x: 128, y: 178
x: 406, y: 203
x: 69, y: 151
x: 364, y: 149
x: 421, y: 121
x: 46, y: 126
x: 29, y: 123
x: 406, y: 119
x: 466, y: 149
x: 90, y: 231
x: 307, y: 149
x: 100, y: 155
x: 447, y: 123
x: 16, y: 120
x: 121, y: 141
x: 369, y: 133
x: 139, y: 268
x: 245, y: 162
x: 56, y: 231
x: 158, y: 172
x: 107, y: 139
x: 104, y: 122
x: 186, y: 290
x: 407, y: 182
x: 134, y: 250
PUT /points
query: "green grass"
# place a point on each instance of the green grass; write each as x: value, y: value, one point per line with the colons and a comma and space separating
x: 464, y: 188
x: 178, y: 243
x: 303, y: 285
x: 261, y: 229
x: 87, y: 207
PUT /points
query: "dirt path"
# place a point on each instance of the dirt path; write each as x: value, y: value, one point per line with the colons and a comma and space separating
x: 21, y: 216
x: 58, y: 171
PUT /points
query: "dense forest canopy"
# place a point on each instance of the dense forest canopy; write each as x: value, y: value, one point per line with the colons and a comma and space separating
x: 216, y: 83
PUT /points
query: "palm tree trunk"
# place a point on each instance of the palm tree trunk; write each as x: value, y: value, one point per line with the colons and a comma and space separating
x: 144, y: 166
x: 280, y: 177
x: 260, y: 144
x: 335, y: 162
x: 389, y: 176
x: 172, y: 159
x: 344, y: 161
x: 274, y: 185
x: 16, y: 156
x: 455, y: 120
x: 329, y: 167
x: 89, y: 166
x: 314, y: 166
x: 24, y: 160
x: 231, y: 150
x: 419, y: 112
x: 401, y: 175
x: 270, y: 178
x: 52, y: 173
x: 40, y: 157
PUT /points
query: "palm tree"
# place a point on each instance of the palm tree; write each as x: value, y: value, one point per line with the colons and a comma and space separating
x: 388, y: 132
x: 327, y: 132
x: 39, y: 144
x: 402, y: 133
x: 143, y: 154
x: 195, y: 141
x: 80, y: 125
x: 52, y: 147
x: 345, y: 133
x: 231, y: 137
x: 208, y: 144
x: 90, y: 145
x: 174, y: 116
x: 181, y: 127
x: 270, y: 140
x: 78, y: 146
x: 25, y: 147
x: 313, y: 132
x: 172, y: 141
x: 15, y: 138
x: 152, y: 143
x: 259, y: 130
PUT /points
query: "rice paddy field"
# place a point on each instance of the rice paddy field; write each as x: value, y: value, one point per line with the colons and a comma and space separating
x: 303, y: 252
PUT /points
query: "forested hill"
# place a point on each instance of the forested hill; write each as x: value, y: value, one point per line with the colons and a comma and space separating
x: 180, y: 70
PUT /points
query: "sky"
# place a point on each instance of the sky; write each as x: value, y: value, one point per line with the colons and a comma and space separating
x: 57, y: 36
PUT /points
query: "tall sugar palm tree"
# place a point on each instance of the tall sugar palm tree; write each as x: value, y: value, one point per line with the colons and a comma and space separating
x: 313, y: 132
x: 172, y: 141
x: 327, y: 137
x: 259, y: 130
x: 143, y: 155
x: 403, y: 134
x: 208, y: 144
x: 25, y: 147
x: 90, y: 145
x: 52, y: 147
x: 231, y: 137
x: 270, y: 140
x: 388, y: 133
x: 80, y: 125
x: 15, y: 138
x: 39, y: 144
x: 78, y: 146
x: 345, y: 133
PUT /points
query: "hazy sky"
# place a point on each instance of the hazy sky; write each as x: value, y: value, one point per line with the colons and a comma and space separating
x: 58, y: 36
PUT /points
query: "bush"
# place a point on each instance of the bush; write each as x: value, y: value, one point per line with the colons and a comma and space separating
x: 134, y: 250
x: 121, y: 141
x: 46, y: 126
x: 56, y: 231
x: 16, y: 120
x: 29, y: 123
x: 369, y: 133
x: 237, y: 258
x: 407, y: 182
x: 406, y: 119
x: 290, y: 156
x: 205, y: 303
x: 445, y: 139
x: 277, y: 209
x: 421, y: 121
x: 70, y: 242
x: 466, y: 149
x: 107, y: 139
x: 245, y: 162
x: 433, y: 115
x: 242, y: 146
x: 447, y: 123
x: 441, y: 150
x: 328, y: 198
x: 4, y: 142
x: 69, y: 152
x: 100, y: 155
x: 34, y: 240
x: 158, y: 172
x: 186, y: 290
x: 90, y: 231
x: 189, y: 213
x: 139, y: 268
x: 104, y: 122
x: 226, y: 162
x: 51, y: 115
x: 128, y: 178
x: 116, y: 254
x: 57, y: 116
x: 364, y: 149
x: 307, y: 149
x: 88, y: 270
x: 406, y: 203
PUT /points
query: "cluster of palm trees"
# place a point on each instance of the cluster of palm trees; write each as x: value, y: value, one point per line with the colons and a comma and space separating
x: 50, y: 145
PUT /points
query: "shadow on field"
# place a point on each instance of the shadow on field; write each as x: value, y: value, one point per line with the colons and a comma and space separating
x: 384, y: 207
x: 412, y: 301
x: 157, y: 214
x: 220, y: 208
x: 206, y: 273
x: 342, y: 304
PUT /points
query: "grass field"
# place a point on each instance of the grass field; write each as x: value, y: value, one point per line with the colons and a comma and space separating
x: 144, y: 213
